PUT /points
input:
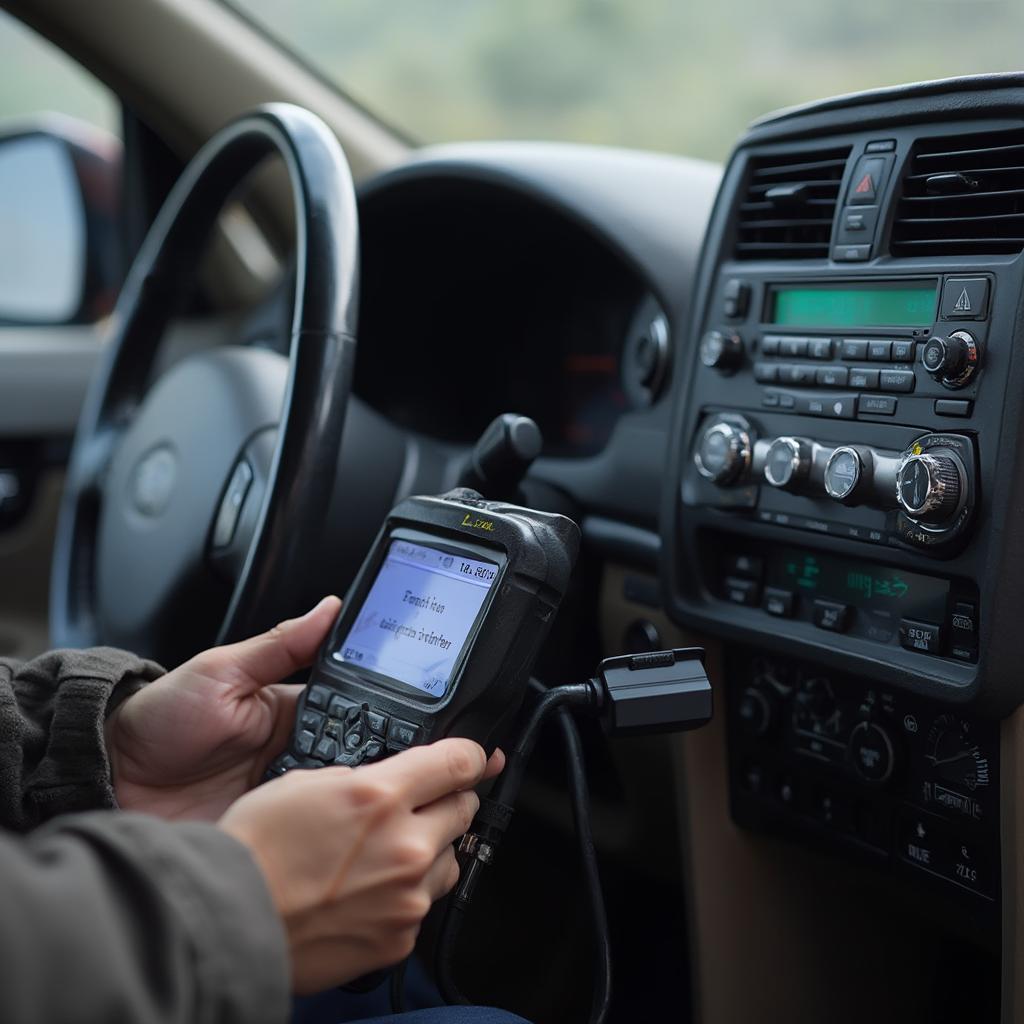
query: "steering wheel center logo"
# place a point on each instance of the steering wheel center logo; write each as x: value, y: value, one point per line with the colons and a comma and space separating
x: 153, y: 480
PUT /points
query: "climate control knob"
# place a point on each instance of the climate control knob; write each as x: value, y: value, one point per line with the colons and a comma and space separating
x: 723, y: 452
x: 721, y: 350
x: 787, y: 462
x: 848, y: 474
x: 871, y: 752
x: 951, y: 361
x: 928, y: 487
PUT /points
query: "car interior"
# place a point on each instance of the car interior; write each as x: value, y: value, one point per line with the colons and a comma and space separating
x: 777, y: 394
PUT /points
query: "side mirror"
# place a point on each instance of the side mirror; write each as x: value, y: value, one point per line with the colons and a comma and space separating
x: 60, y: 259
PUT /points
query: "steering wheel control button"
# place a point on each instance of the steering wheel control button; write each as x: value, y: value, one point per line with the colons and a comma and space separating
x: 778, y: 602
x: 831, y: 615
x: 920, y: 636
x: 154, y: 479
x: 928, y: 487
x: 231, y: 504
x: 871, y: 752
x: 721, y: 350
x: 964, y: 298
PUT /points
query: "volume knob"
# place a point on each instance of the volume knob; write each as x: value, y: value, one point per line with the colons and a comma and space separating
x: 928, y: 487
x: 951, y: 361
x: 721, y: 350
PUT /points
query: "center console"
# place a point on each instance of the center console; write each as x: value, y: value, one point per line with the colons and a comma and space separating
x: 843, y: 492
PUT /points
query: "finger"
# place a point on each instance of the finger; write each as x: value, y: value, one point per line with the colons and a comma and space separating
x: 276, y: 654
x: 448, y: 818
x: 495, y: 764
x: 425, y: 774
x: 443, y: 874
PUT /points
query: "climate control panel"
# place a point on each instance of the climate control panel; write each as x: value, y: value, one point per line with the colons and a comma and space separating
x: 927, y: 489
x: 904, y: 782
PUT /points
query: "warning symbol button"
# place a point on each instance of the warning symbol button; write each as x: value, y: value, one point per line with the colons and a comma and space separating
x: 867, y: 179
x: 965, y: 298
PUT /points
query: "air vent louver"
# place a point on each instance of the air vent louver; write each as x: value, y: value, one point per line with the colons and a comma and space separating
x: 963, y: 194
x: 787, y: 209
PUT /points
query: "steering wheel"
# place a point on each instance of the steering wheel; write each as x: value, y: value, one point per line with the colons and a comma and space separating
x: 200, y: 497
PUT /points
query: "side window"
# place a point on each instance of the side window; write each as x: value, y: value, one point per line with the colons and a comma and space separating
x: 60, y: 174
x: 36, y: 77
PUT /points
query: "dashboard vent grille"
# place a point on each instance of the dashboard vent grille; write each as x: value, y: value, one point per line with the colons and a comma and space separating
x: 963, y: 194
x: 787, y: 208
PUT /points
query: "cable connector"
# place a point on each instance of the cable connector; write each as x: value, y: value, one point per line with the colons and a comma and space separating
x: 664, y: 691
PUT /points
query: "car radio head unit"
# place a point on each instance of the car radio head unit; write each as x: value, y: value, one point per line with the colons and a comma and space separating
x: 439, y: 631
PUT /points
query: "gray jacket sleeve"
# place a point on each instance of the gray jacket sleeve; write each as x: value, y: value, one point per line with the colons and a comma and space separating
x: 121, y: 917
x: 52, y: 711
x: 112, y: 916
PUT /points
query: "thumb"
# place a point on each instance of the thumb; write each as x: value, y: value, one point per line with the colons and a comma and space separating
x: 288, y: 647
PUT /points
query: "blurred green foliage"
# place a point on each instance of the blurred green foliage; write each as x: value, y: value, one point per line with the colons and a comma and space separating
x: 658, y: 74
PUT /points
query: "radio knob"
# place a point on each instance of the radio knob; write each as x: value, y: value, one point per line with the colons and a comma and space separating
x: 787, y: 462
x: 928, y: 487
x: 723, y: 453
x: 721, y: 350
x: 953, y: 360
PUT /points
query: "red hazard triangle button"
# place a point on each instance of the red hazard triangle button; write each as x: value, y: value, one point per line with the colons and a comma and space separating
x: 866, y: 181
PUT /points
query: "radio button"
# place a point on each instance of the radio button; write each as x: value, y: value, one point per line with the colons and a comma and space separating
x: 920, y: 636
x: 770, y: 344
x: 896, y: 380
x: 779, y: 602
x: 819, y: 348
x: 879, y: 351
x: 770, y: 399
x: 863, y: 378
x: 834, y: 407
x: 833, y: 376
x: 787, y: 401
x: 877, y: 405
x: 952, y: 407
x: 903, y: 351
x: 741, y: 591
x: 793, y: 346
x: 831, y: 615
x: 853, y: 348
x: 766, y: 373
x: 964, y: 298
x: 796, y: 373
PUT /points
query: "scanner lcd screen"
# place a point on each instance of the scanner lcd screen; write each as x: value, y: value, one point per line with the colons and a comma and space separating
x: 417, y: 615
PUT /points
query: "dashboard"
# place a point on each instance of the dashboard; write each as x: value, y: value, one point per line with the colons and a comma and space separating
x: 842, y: 484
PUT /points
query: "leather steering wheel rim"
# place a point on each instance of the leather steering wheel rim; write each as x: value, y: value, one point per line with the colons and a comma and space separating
x: 322, y: 353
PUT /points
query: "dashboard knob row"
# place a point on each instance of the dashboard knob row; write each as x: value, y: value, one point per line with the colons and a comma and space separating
x: 928, y: 484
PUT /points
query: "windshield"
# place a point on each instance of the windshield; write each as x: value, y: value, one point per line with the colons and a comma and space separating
x: 656, y: 74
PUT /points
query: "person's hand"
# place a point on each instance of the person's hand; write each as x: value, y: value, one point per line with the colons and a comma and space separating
x: 192, y: 742
x: 354, y: 858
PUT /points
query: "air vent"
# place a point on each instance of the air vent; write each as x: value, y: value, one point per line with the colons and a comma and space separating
x: 963, y: 194
x: 787, y: 209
